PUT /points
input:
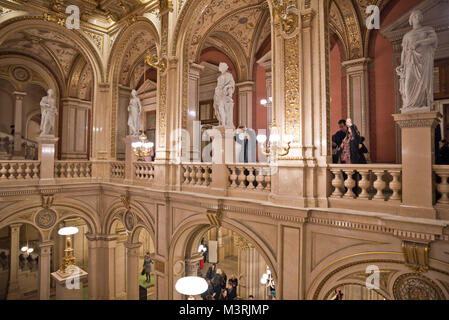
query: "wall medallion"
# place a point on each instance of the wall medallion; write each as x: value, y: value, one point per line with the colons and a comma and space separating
x: 129, y: 220
x: 20, y: 74
x: 45, y: 219
x: 414, y: 286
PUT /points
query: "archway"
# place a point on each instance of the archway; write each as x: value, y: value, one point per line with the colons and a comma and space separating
x: 19, y: 262
x: 237, y: 253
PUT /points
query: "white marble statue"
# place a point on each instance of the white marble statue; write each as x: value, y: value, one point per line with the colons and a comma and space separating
x: 48, y: 114
x: 416, y: 69
x: 134, y: 115
x: 223, y: 103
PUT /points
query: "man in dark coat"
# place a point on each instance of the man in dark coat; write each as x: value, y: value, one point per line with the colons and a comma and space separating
x: 337, y: 140
x: 211, y: 272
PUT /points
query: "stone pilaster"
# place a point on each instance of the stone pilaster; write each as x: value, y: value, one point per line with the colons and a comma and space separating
x: 13, y: 288
x: 418, y: 157
x: 18, y: 120
x: 44, y: 269
x: 245, y: 98
x: 132, y: 270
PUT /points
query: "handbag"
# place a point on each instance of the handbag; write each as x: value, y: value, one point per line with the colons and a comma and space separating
x: 143, y: 272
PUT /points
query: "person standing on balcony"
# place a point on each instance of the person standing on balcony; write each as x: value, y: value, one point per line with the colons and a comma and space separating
x: 350, y: 147
x: 337, y: 140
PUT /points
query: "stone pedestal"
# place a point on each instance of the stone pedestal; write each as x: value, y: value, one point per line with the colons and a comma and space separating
x: 418, y: 154
x: 69, y: 286
x: 47, y: 147
x: 193, y: 265
x: 130, y: 158
x: 222, y: 155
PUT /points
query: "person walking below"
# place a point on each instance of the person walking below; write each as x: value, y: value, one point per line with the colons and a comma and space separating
x: 148, y: 266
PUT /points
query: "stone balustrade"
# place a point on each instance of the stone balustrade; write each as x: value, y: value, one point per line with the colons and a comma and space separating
x: 144, y: 171
x: 197, y: 174
x: 73, y: 169
x: 253, y: 177
x: 117, y: 170
x: 19, y: 170
x: 368, y: 182
x: 441, y: 184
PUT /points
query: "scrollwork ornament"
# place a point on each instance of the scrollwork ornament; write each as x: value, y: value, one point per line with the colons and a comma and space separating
x: 283, y: 12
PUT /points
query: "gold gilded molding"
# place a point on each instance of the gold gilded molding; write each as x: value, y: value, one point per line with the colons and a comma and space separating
x: 155, y: 62
x: 416, y: 255
x: 282, y: 12
x: 291, y: 86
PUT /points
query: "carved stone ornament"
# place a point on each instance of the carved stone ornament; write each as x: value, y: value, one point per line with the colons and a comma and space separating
x: 413, y: 286
x: 129, y: 220
x: 45, y: 219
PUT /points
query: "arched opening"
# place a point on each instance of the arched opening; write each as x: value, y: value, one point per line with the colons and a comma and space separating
x: 354, y: 292
x: 147, y: 279
x: 235, y: 257
x: 79, y: 243
x: 19, y: 262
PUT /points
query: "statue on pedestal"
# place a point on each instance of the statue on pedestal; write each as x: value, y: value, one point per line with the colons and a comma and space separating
x: 416, y: 69
x: 135, y: 115
x: 48, y: 114
x: 223, y: 102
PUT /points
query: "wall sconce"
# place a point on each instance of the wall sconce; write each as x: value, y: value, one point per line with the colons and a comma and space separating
x: 272, y: 147
x: 155, y: 62
x: 69, y: 258
x: 142, y: 148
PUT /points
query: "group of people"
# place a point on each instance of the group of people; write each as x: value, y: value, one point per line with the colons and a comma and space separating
x: 348, y: 145
x: 219, y: 286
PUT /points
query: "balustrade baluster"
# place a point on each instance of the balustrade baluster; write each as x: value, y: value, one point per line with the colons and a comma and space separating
x: 364, y: 184
x: 251, y: 178
x: 379, y: 184
x: 242, y: 177
x: 337, y: 183
x: 207, y: 175
x: 260, y: 179
x: 396, y: 185
x: 11, y: 171
x: 233, y: 177
x: 350, y: 184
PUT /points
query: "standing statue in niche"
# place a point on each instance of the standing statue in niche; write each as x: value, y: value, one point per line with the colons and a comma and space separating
x: 223, y: 103
x: 134, y: 115
x: 416, y: 69
x: 48, y: 114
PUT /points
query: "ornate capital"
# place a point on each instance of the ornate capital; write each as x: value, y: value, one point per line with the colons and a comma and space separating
x: 416, y: 255
x: 418, y: 120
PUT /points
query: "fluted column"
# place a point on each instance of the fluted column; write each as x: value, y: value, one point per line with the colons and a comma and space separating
x: 13, y: 288
x: 358, y: 94
x: 245, y: 96
x: 132, y: 252
x: 44, y: 269
x: 193, y: 112
x: 18, y: 119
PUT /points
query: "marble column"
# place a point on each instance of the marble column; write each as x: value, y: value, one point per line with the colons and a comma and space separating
x: 18, y: 120
x: 132, y: 252
x: 250, y: 264
x: 357, y: 77
x: 92, y: 265
x: 245, y: 96
x: 265, y: 62
x: 13, y: 288
x: 193, y: 112
x: 221, y: 251
x: 44, y: 269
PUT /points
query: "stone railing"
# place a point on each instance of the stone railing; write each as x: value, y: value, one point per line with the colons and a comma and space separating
x: 117, y: 170
x: 252, y: 177
x: 143, y: 171
x: 197, y: 174
x: 19, y: 170
x: 73, y: 169
x: 367, y: 182
x: 441, y: 184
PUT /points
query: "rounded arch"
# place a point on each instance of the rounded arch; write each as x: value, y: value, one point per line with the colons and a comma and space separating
x: 116, y: 212
x: 353, y: 268
x: 22, y: 221
x: 80, y: 41
x: 122, y: 41
x: 185, y: 235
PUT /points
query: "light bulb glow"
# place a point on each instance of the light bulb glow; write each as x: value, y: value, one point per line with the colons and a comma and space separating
x: 275, y: 138
x: 288, y: 138
x: 68, y: 231
x: 191, y: 286
x: 263, y: 281
x: 263, y: 102
x: 30, y: 250
x: 24, y: 249
x: 261, y: 138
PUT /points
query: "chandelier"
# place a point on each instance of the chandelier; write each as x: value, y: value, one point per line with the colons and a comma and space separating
x: 142, y: 148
